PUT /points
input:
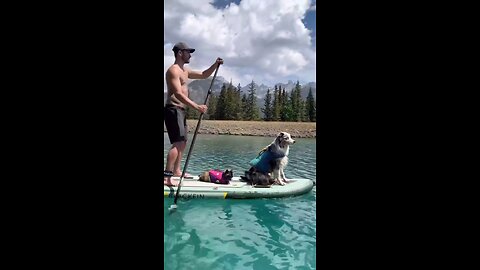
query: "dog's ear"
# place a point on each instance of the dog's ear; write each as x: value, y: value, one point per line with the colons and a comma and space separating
x: 278, y: 139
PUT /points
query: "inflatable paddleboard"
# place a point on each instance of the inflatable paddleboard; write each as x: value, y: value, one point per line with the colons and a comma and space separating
x: 194, y: 189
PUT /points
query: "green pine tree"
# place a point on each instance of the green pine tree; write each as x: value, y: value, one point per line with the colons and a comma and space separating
x: 192, y: 113
x: 303, y: 115
x: 284, y: 112
x: 311, y: 108
x: 298, y: 102
x: 244, y: 107
x: 267, y: 109
x: 238, y: 103
x: 276, y: 105
x: 212, y: 107
x: 292, y: 105
x: 221, y: 106
x: 230, y: 103
x: 252, y: 111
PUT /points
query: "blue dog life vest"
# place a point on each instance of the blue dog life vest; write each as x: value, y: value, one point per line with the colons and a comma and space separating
x: 262, y: 161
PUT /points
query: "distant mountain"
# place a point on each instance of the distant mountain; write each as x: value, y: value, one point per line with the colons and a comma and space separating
x: 198, y: 89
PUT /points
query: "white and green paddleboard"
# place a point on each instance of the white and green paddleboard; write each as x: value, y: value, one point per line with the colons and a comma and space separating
x: 194, y: 189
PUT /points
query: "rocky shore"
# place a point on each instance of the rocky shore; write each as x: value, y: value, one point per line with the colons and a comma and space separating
x: 253, y: 128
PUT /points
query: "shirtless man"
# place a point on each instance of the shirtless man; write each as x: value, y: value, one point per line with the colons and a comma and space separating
x: 177, y: 99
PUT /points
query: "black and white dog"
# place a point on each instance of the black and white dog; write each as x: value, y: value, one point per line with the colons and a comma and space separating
x: 272, y: 159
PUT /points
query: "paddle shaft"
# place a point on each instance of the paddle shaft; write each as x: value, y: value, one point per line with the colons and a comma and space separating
x: 194, y: 138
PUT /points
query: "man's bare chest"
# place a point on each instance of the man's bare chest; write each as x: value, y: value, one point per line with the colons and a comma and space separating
x: 184, y: 79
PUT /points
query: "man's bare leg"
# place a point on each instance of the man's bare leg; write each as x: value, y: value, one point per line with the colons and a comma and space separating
x: 171, y: 160
x: 178, y: 161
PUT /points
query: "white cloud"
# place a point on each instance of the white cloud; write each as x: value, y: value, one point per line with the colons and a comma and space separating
x: 261, y: 40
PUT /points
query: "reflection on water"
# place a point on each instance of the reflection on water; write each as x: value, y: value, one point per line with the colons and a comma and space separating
x: 243, y: 234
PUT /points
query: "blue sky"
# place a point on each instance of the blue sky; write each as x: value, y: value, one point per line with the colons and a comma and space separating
x: 268, y: 41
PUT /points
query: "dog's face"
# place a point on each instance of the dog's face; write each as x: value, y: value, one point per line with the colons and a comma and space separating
x: 228, y: 174
x: 283, y: 139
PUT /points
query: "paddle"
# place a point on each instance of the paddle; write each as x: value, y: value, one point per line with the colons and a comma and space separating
x: 173, y: 207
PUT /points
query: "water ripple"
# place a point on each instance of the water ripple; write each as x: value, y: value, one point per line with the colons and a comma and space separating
x: 243, y: 234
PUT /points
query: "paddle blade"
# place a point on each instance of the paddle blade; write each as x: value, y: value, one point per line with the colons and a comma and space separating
x: 172, y: 208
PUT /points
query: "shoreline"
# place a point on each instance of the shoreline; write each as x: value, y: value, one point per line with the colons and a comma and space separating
x: 252, y: 128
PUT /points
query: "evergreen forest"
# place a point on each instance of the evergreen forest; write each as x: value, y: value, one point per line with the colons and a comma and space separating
x: 278, y: 105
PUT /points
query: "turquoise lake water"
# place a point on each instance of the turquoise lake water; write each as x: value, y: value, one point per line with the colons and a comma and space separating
x: 242, y: 234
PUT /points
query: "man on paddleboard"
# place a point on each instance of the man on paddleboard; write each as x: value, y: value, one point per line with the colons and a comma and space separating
x: 177, y: 100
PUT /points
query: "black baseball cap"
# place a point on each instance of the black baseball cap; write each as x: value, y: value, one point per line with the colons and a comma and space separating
x: 182, y: 46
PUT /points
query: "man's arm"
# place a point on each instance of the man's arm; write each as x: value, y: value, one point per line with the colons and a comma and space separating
x: 206, y: 73
x: 173, y: 82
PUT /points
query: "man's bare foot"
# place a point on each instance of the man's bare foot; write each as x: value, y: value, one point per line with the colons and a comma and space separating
x: 279, y: 182
x: 170, y: 182
x: 180, y: 174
